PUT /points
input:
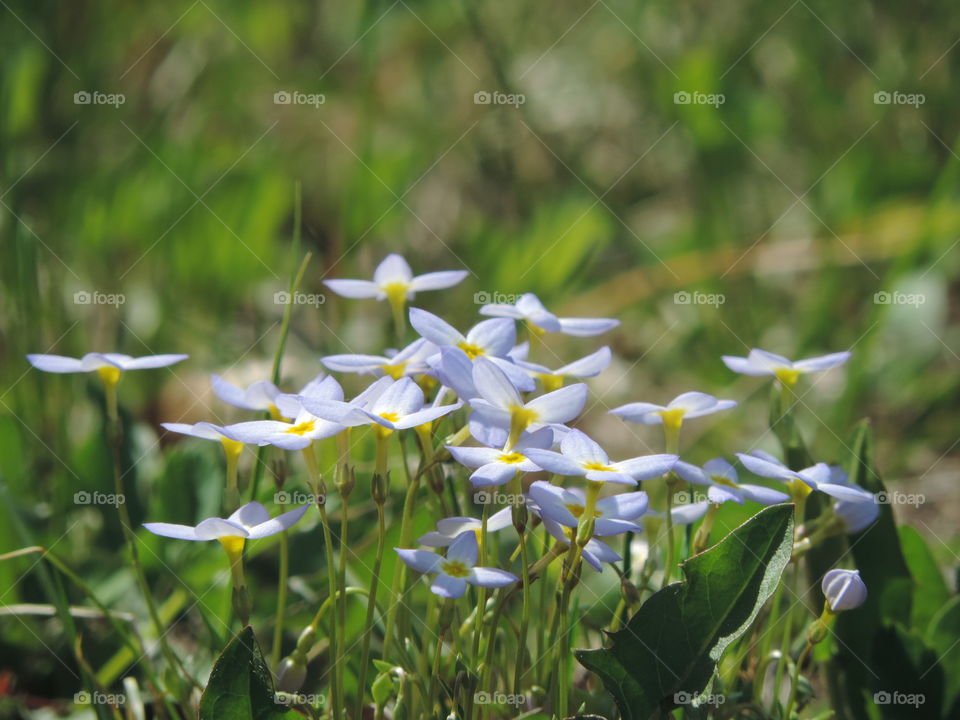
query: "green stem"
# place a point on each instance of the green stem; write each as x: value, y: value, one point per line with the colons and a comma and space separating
x: 371, y: 601
x: 808, y: 648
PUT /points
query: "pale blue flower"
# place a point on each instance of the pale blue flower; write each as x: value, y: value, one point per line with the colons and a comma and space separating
x: 683, y: 407
x: 595, y: 552
x: 724, y: 484
x: 816, y: 477
x: 449, y: 529
x: 260, y: 395
x: 529, y: 308
x: 843, y: 589
x: 411, y: 360
x: 498, y: 467
x: 761, y: 362
x: 394, y: 280
x: 104, y: 363
x: 456, y: 569
x: 250, y: 522
x: 613, y: 515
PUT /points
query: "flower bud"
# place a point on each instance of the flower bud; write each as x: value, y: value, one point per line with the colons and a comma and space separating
x: 306, y: 640
x: 519, y: 517
x: 629, y: 592
x: 290, y: 675
x: 844, y: 590
x: 378, y: 488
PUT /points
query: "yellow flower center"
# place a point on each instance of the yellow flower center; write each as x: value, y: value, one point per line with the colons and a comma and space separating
x: 598, y: 466
x: 799, y: 489
x: 302, y: 428
x: 455, y: 568
x: 391, y: 416
x: 233, y: 544
x: 472, y: 351
x: 232, y: 448
x: 787, y: 376
x: 396, y: 292
x: 551, y: 382
x: 672, y: 419
x: 274, y: 412
x: 109, y: 374
x: 722, y: 480
x: 578, y: 510
x: 511, y: 458
x: 520, y: 419
x: 395, y: 371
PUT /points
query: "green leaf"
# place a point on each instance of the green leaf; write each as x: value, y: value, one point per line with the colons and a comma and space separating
x: 240, y: 685
x: 942, y: 637
x: 930, y: 592
x: 673, y: 643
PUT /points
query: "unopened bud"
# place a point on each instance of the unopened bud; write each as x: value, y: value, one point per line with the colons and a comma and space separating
x: 585, y: 531
x: 378, y: 488
x: 519, y: 516
x: 306, y: 640
x: 346, y: 481
x: 629, y: 592
x: 242, y: 604
x: 290, y: 674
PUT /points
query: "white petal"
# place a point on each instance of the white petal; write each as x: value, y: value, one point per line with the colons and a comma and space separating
x: 723, y: 493
x: 625, y: 506
x: 766, y: 466
x: 763, y: 495
x: 354, y: 363
x: 579, y: 447
x: 453, y: 527
x: 647, y: 467
x: 691, y: 474
x: 490, y: 577
x: 585, y: 327
x: 253, y: 513
x: 561, y: 405
x: 687, y: 514
x: 501, y: 310
x: 464, y: 548
x: 555, y: 462
x: 494, y: 386
x: 393, y: 268
x: 770, y: 361
x: 500, y: 520
x: 422, y: 561
x: 278, y: 524
x: 426, y: 415
x: 846, y: 492
x: 403, y: 397
x: 550, y: 499
x: 496, y: 336
x: 213, y: 528
x: 153, y: 361
x: 474, y: 457
x: 437, y: 280
x: 605, y: 527
x: 56, y: 363
x: 493, y: 474
x: 589, y: 366
x: 229, y: 393
x: 256, y: 431
x: 640, y: 412
x: 615, y: 476
x: 356, y: 289
x: 720, y: 468
x: 517, y: 375
x: 180, y: 532
x: 437, y: 331
x: 448, y: 587
x: 717, y: 406
x: 816, y: 364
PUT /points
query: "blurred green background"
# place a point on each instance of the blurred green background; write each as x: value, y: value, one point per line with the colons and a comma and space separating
x: 823, y: 171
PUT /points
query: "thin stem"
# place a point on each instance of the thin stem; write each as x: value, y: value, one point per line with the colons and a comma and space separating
x: 482, y: 592
x: 371, y: 604
x: 808, y: 648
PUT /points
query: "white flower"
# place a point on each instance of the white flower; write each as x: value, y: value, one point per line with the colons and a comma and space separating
x: 595, y: 552
x: 844, y: 590
x: 498, y: 467
x: 456, y: 569
x: 530, y: 309
x: 761, y: 362
x: 250, y: 522
x: 305, y: 427
x: 393, y: 405
x: 108, y: 365
x: 580, y: 456
x: 586, y: 367
x: 393, y: 280
x: 683, y: 407
x: 613, y: 515
x: 724, y: 484
x: 449, y: 529
x: 817, y: 477
x: 412, y: 360
x: 260, y: 395
x: 208, y: 431
x: 489, y: 338
x: 501, y: 404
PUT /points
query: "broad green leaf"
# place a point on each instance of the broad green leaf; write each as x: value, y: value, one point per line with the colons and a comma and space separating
x: 930, y: 589
x: 240, y: 685
x: 942, y: 636
x: 673, y: 643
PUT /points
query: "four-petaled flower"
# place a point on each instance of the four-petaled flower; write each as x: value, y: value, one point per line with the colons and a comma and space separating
x: 683, y: 407
x: 498, y: 467
x: 250, y: 522
x: 529, y: 308
x: 613, y: 515
x: 108, y: 365
x: 724, y: 484
x: 456, y: 569
x: 261, y: 395
x: 803, y: 482
x: 761, y: 362
x: 586, y: 367
x: 449, y: 529
x: 393, y: 280
x: 580, y: 456
x: 411, y: 360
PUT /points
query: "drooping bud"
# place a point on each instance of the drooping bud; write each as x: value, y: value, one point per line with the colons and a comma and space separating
x: 290, y: 674
x: 843, y: 590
